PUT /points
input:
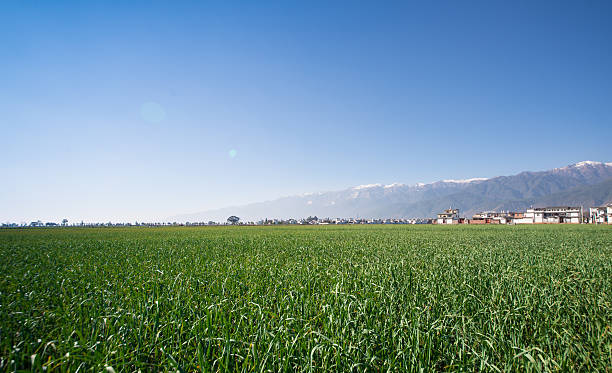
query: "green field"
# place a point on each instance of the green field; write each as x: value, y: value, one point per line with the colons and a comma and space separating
x: 326, y: 298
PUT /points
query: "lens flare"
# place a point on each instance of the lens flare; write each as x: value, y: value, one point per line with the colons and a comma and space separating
x: 152, y: 112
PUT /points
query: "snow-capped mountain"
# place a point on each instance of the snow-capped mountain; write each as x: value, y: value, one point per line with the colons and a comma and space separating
x: 584, y: 183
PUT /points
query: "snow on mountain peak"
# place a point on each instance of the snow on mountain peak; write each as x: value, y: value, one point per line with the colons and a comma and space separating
x: 591, y: 163
x: 587, y: 163
x: 366, y: 186
x: 464, y: 181
x: 584, y: 164
x: 393, y: 185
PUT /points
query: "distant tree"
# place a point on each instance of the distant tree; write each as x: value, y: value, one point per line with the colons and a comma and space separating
x: 233, y: 219
x: 64, y: 221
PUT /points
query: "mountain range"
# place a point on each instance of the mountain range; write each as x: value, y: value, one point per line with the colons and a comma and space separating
x: 585, y: 184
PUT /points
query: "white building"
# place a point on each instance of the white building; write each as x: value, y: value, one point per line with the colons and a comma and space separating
x: 492, y: 217
x: 553, y: 215
x: 524, y: 220
x: 450, y: 216
x: 601, y: 215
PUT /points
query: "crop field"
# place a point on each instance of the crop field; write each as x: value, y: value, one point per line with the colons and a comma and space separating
x: 312, y: 298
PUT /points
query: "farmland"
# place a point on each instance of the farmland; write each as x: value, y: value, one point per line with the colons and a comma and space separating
x: 343, y: 298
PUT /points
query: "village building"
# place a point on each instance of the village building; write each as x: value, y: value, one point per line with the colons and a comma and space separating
x: 541, y: 215
x: 450, y: 216
x: 489, y: 217
x: 515, y: 215
x: 601, y: 215
x: 523, y: 219
x: 555, y: 215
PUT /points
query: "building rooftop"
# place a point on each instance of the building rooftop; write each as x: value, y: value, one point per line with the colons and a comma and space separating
x: 557, y: 208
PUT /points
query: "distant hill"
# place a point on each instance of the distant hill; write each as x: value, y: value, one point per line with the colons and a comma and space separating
x: 588, y: 196
x: 586, y: 183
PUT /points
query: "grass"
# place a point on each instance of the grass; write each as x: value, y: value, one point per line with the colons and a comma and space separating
x: 334, y: 298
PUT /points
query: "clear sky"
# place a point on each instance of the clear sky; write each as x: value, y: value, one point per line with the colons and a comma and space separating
x: 140, y: 110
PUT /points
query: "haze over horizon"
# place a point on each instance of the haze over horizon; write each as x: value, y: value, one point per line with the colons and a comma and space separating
x: 144, y: 110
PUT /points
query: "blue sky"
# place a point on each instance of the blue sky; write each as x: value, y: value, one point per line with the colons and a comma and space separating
x: 135, y: 110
